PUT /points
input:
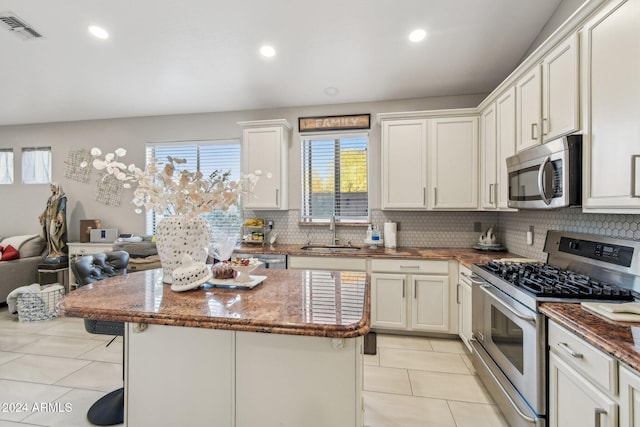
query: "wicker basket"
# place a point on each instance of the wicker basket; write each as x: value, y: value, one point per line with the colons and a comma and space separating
x: 36, y: 307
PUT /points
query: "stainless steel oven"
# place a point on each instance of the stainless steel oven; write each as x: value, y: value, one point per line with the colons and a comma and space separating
x: 509, y: 334
x: 548, y: 176
x: 508, y: 342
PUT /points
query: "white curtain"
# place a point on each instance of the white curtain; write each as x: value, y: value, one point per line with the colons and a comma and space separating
x: 6, y: 166
x: 36, y: 165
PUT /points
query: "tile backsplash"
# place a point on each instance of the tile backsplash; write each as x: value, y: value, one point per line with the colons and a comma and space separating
x: 420, y: 229
x: 513, y: 227
x: 456, y: 229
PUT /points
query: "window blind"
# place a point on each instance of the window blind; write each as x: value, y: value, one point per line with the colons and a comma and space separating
x: 335, y: 178
x: 36, y: 165
x: 6, y: 165
x: 206, y: 157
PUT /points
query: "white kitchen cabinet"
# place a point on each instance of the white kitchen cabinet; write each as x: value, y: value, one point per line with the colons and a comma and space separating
x: 528, y: 109
x: 629, y: 397
x: 453, y: 165
x: 547, y: 97
x: 506, y: 143
x: 497, y: 142
x: 574, y: 401
x: 583, y: 382
x: 404, y: 164
x: 463, y: 298
x: 611, y: 143
x: 560, y: 90
x: 488, y: 157
x: 265, y: 147
x: 413, y: 295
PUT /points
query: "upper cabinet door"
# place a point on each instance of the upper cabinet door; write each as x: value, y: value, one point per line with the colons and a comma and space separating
x: 506, y: 142
x: 488, y: 157
x: 265, y: 147
x: 560, y: 100
x: 453, y: 163
x: 611, y: 92
x: 528, y: 110
x: 404, y: 158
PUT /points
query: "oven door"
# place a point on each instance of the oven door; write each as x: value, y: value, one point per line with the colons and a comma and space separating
x: 514, y: 338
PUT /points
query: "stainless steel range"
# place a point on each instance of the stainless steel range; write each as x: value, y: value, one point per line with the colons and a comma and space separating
x: 509, y: 334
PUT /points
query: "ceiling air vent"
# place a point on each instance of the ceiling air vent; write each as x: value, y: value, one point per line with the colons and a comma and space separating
x: 18, y: 27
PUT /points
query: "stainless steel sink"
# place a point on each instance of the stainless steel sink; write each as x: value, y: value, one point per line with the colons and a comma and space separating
x: 330, y: 248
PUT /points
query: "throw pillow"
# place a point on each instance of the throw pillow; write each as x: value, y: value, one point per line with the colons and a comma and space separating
x: 10, y: 253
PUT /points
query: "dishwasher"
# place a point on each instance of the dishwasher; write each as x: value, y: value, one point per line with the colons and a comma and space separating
x: 278, y: 261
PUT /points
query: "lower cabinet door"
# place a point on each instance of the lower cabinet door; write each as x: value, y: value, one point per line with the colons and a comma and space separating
x: 576, y: 402
x: 388, y: 301
x: 430, y: 303
x: 629, y: 397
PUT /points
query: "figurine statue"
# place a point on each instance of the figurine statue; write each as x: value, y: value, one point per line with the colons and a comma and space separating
x: 54, y: 226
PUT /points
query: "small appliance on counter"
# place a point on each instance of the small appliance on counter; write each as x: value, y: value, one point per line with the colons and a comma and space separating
x: 489, y: 242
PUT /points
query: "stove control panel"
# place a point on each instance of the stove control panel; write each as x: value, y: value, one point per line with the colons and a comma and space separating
x: 605, y: 252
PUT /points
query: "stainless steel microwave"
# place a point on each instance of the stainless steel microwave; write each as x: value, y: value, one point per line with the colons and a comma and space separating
x: 547, y: 176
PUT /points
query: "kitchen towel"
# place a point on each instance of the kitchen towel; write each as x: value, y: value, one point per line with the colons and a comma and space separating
x: 390, y: 234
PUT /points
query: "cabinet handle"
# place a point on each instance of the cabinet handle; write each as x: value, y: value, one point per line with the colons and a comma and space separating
x: 413, y: 267
x: 545, y: 129
x: 415, y: 291
x: 634, y: 175
x: 565, y: 347
x: 277, y: 196
x: 458, y: 293
x: 534, y: 133
x: 435, y: 196
x: 491, y: 194
x: 402, y: 288
x: 424, y: 195
x: 495, y: 193
x: 597, y: 412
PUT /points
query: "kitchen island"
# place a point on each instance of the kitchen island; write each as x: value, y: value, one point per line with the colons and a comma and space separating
x: 287, y: 353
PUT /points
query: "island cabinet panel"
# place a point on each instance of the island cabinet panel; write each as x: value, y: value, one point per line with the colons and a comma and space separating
x: 179, y: 376
x: 284, y: 380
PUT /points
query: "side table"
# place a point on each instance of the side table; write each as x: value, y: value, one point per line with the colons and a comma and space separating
x: 60, y: 269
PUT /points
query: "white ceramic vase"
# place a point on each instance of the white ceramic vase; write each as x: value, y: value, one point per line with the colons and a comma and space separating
x: 177, y: 235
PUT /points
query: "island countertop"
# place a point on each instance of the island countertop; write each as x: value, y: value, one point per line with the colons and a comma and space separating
x: 293, y: 302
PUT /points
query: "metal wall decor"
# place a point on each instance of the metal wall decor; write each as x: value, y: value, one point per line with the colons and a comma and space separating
x: 73, y: 169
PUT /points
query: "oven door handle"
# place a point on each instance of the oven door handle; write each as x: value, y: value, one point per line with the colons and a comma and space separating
x: 487, y: 290
x: 504, y: 392
x: 543, y: 195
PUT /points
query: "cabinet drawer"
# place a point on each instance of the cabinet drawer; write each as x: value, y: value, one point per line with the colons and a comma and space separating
x: 409, y: 266
x: 593, y: 363
x: 327, y: 263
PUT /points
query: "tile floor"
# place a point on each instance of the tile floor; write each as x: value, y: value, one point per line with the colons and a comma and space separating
x: 411, y: 381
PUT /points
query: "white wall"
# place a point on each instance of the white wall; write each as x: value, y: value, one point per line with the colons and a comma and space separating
x: 21, y: 204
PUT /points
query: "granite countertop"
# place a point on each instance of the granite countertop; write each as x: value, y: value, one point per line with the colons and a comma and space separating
x: 612, y: 337
x: 294, y: 302
x: 463, y: 255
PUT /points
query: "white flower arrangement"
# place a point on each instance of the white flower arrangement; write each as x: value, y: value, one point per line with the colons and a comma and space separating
x: 162, y: 187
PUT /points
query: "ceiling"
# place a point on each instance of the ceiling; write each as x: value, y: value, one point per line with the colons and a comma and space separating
x: 195, y: 56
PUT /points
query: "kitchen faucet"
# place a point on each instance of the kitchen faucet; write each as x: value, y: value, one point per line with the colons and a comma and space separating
x: 332, y: 227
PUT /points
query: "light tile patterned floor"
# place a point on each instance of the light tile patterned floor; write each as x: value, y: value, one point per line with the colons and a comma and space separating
x: 420, y: 382
x: 411, y: 381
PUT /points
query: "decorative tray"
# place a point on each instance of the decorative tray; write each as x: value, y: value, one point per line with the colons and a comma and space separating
x: 492, y: 247
x: 234, y: 284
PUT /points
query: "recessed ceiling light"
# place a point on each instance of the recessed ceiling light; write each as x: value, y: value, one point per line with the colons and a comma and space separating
x: 267, y: 51
x: 331, y: 91
x: 417, y: 35
x: 98, y: 32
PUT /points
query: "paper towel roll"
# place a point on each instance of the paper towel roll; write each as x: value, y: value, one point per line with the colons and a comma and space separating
x: 390, y: 234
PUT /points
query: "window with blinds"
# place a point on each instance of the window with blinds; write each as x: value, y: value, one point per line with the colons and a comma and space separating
x: 36, y: 165
x: 206, y: 157
x: 6, y: 165
x: 334, y: 178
